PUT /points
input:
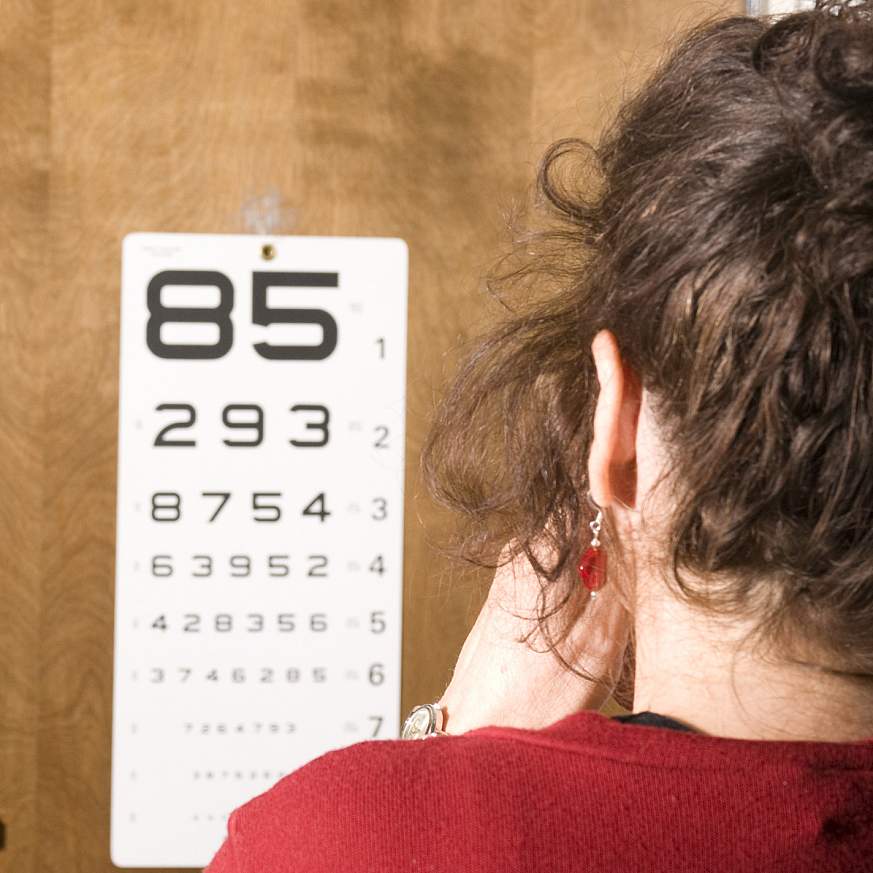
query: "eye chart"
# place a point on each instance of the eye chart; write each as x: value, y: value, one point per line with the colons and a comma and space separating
x: 260, y: 523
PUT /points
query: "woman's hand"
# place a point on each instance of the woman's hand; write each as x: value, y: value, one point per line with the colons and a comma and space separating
x: 499, y: 681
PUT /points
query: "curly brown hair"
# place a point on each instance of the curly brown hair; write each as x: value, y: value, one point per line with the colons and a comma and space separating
x: 722, y: 229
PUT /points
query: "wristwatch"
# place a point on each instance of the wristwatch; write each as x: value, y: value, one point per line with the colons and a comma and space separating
x: 424, y: 721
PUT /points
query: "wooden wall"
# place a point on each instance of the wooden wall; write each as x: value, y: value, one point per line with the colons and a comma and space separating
x: 422, y: 120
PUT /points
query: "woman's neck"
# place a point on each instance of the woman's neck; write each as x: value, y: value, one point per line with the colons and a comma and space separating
x: 693, y: 669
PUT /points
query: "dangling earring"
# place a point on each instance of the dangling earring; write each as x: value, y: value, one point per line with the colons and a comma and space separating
x: 592, y: 565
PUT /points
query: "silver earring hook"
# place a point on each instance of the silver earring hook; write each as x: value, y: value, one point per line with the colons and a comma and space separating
x: 595, y: 529
x: 597, y: 506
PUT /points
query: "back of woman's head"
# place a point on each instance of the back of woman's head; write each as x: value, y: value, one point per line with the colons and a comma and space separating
x: 723, y: 231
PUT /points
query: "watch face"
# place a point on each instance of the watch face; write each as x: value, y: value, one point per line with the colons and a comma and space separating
x: 419, y: 724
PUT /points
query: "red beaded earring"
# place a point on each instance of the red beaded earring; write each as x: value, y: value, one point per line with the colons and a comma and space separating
x: 592, y: 565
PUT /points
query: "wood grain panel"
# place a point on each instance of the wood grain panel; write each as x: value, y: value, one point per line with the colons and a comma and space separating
x: 24, y: 346
x: 422, y: 120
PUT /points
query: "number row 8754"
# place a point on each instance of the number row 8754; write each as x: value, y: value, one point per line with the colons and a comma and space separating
x: 166, y: 506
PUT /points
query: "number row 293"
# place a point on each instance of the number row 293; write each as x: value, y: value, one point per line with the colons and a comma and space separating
x: 246, y: 425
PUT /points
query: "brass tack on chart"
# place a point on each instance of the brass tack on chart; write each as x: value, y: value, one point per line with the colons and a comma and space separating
x: 268, y: 251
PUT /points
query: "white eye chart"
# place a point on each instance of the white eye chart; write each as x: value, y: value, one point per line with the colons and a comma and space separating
x: 259, y: 523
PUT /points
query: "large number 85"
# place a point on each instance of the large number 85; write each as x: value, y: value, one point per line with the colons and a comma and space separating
x: 220, y: 315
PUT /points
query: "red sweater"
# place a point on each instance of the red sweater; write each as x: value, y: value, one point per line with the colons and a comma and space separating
x: 585, y: 794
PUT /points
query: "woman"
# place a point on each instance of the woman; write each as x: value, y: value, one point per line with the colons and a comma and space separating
x: 670, y: 446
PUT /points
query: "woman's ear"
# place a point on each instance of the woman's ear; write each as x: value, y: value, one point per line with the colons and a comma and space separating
x: 612, y: 461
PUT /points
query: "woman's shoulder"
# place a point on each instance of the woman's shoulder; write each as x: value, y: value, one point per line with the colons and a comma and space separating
x: 376, y: 776
x: 404, y: 768
x: 378, y: 799
x: 323, y: 815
